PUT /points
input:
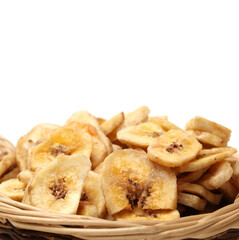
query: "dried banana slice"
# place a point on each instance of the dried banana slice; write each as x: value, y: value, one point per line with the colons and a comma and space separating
x: 192, y: 201
x: 199, y: 191
x: 64, y: 141
x: 140, y: 214
x: 99, y: 149
x: 110, y: 125
x: 141, y: 135
x: 208, y: 138
x: 92, y: 194
x: 218, y: 174
x: 13, y: 188
x: 164, y: 123
x: 87, y: 118
x: 206, y: 158
x: 7, y: 155
x: 131, y: 119
x: 130, y: 179
x: 87, y: 209
x: 174, y: 148
x: 28, y: 142
x: 57, y: 185
x: 203, y: 124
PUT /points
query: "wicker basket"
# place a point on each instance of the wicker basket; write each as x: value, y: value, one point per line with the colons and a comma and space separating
x: 20, y: 221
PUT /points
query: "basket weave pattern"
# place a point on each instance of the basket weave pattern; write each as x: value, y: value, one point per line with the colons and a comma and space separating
x: 20, y: 221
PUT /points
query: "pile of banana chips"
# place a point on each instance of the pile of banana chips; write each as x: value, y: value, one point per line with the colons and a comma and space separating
x: 130, y: 167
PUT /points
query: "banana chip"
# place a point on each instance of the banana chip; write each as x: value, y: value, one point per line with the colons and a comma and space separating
x: 110, y: 125
x: 141, y: 135
x: 203, y: 124
x: 64, y: 141
x: 164, y: 123
x: 57, y: 185
x: 13, y: 188
x: 199, y: 191
x: 206, y: 158
x: 146, y: 186
x: 174, y: 148
x: 218, y: 174
x: 191, y: 201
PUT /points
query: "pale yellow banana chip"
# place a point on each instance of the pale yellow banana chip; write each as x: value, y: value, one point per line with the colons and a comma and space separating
x: 218, y: 174
x: 92, y: 193
x: 192, y: 201
x: 206, y: 158
x: 57, y: 185
x: 100, y: 120
x: 174, y: 148
x: 13, y: 188
x: 130, y: 179
x: 141, y: 135
x: 64, y: 141
x: 28, y: 142
x: 199, y: 191
x: 208, y: 138
x: 110, y: 125
x: 203, y: 124
x: 139, y: 214
x: 137, y: 116
x: 164, y: 123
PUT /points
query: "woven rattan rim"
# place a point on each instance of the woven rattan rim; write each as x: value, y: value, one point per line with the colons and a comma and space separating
x: 201, y: 226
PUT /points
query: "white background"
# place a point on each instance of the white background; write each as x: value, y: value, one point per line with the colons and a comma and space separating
x: 180, y: 58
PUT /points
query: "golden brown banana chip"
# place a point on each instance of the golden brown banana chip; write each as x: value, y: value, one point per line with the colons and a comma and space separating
x: 28, y: 142
x: 140, y: 214
x: 203, y: 124
x: 110, y: 125
x: 163, y: 122
x: 7, y: 155
x: 206, y: 158
x: 174, y: 148
x: 13, y: 188
x: 130, y: 179
x: 229, y: 191
x: 64, y: 141
x: 192, y: 176
x: 218, y: 174
x: 116, y: 147
x: 191, y: 201
x: 100, y: 120
x: 208, y: 138
x: 199, y: 191
x: 141, y: 135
